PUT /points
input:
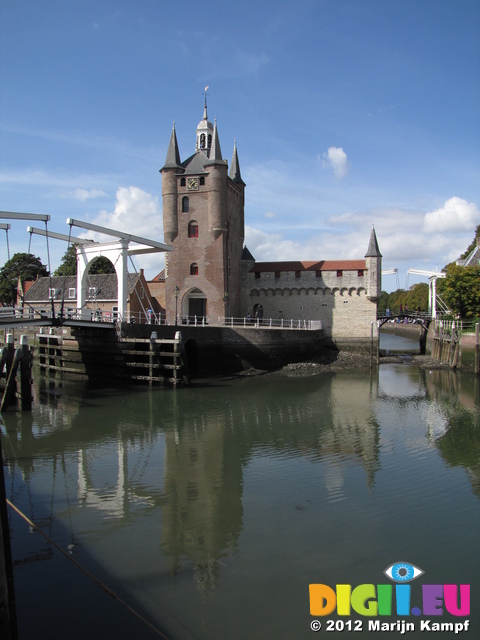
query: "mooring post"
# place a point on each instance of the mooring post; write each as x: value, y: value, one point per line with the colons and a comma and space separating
x: 25, y: 374
x: 11, y: 385
x: 177, y: 350
x: 8, y: 353
x: 151, y: 356
x: 477, y: 348
x: 371, y: 345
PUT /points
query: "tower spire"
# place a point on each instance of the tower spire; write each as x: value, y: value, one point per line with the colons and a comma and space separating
x: 204, y: 130
x: 215, y: 151
x: 173, y: 154
x: 235, y: 166
x: 205, y: 117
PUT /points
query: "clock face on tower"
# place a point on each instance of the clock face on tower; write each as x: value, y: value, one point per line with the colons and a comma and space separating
x: 192, y: 184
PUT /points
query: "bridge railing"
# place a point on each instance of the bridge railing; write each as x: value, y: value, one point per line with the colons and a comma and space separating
x: 398, y: 315
x: 271, y: 323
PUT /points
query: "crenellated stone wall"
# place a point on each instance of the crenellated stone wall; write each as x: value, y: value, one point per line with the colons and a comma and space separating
x: 339, y: 301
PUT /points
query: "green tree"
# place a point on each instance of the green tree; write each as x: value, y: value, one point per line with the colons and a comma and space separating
x: 101, y: 265
x: 25, y: 266
x: 68, y: 266
x: 472, y: 245
x: 417, y: 297
x: 461, y: 290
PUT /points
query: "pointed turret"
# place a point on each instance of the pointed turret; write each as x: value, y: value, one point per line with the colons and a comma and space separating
x: 215, y: 155
x: 173, y: 155
x: 169, y: 188
x: 235, y: 167
x: 373, y: 251
x: 373, y: 260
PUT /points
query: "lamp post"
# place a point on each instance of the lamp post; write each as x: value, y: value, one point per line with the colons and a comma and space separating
x: 177, y: 291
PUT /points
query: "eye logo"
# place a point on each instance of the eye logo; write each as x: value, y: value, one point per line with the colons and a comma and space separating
x: 403, y: 572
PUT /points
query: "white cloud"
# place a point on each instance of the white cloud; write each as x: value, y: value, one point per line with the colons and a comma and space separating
x: 457, y: 216
x: 407, y: 238
x: 138, y: 213
x: 88, y: 194
x: 336, y: 158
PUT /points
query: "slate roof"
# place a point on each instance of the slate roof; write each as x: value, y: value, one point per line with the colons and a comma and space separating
x: 105, y: 284
x: 373, y: 251
x: 173, y: 155
x: 235, y: 167
x: 195, y: 164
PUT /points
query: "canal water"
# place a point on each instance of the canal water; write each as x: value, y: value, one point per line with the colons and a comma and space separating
x: 393, y: 344
x: 210, y: 510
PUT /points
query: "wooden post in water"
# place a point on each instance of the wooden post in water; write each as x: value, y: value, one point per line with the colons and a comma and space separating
x: 8, y: 353
x: 11, y: 386
x: 25, y: 374
x: 177, y: 351
x: 372, y: 350
x: 8, y: 614
x: 151, y: 356
x: 477, y: 348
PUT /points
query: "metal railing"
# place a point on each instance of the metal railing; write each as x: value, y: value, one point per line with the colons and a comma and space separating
x: 271, y: 323
x: 140, y: 317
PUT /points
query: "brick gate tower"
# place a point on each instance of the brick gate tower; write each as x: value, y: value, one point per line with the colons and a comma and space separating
x: 203, y: 219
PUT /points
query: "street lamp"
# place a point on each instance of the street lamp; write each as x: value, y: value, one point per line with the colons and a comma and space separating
x: 177, y: 291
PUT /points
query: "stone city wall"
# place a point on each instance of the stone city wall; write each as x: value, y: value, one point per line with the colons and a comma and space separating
x: 340, y: 302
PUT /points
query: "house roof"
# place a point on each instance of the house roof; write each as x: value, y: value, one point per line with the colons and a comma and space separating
x: 160, y: 277
x: 310, y: 265
x: 105, y: 284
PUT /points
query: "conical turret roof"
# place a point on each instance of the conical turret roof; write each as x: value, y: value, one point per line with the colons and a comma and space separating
x: 173, y: 155
x: 373, y: 251
x: 235, y: 167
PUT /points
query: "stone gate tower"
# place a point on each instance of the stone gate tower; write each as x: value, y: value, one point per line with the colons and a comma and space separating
x: 203, y: 219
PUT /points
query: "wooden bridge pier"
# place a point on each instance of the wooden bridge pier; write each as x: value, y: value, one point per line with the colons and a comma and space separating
x: 446, y: 347
x: 17, y: 362
x: 108, y: 355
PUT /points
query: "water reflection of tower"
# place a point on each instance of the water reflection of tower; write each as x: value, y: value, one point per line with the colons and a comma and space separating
x: 355, y: 429
x: 202, y: 516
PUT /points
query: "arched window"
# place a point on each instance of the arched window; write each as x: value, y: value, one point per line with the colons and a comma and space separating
x: 194, y: 269
x: 185, y: 204
x: 202, y: 180
x: 193, y: 229
x: 209, y: 140
x: 182, y: 182
x: 202, y: 141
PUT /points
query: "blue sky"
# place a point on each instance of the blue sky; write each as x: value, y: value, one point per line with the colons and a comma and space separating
x: 346, y: 114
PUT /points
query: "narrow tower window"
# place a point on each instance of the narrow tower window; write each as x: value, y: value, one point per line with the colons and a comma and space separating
x: 192, y: 229
x: 194, y: 269
x: 185, y: 204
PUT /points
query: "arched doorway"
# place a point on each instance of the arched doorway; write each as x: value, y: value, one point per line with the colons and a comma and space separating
x: 195, y: 306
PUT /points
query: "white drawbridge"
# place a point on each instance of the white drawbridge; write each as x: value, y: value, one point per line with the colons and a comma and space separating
x: 432, y: 287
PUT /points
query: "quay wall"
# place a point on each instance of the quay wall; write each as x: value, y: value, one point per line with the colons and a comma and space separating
x: 208, y: 350
x: 214, y: 350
